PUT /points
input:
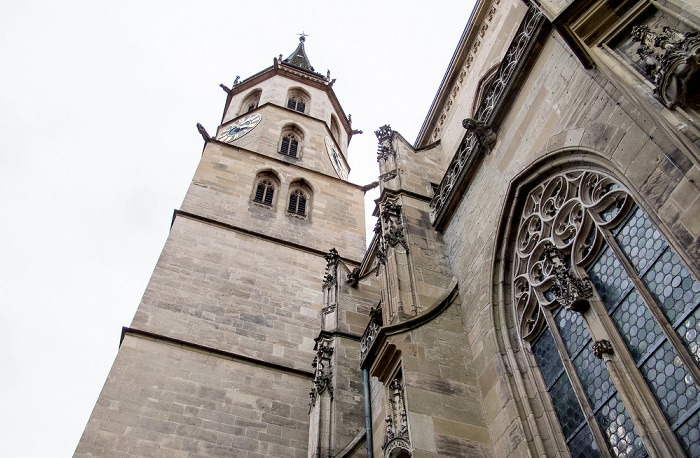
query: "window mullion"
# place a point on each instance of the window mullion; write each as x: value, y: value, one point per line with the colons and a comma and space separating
x: 588, y: 413
x: 657, y: 313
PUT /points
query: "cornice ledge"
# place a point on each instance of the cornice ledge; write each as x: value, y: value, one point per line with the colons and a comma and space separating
x: 432, y: 312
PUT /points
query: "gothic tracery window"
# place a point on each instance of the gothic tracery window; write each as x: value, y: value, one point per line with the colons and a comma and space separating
x: 588, y: 263
x: 297, y: 100
x: 251, y: 102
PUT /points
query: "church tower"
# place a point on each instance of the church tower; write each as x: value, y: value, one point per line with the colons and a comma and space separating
x: 217, y: 361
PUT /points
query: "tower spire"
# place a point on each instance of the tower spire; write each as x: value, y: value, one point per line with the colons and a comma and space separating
x: 298, y: 58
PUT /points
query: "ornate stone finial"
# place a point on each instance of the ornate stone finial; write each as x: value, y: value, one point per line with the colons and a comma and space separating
x: 203, y: 132
x: 328, y: 74
x: 385, y: 149
x: 350, y: 119
x: 481, y: 130
x: 332, y: 257
x: 237, y: 80
x: 602, y: 348
x: 280, y: 58
x: 302, y: 36
x: 323, y: 373
x: 384, y: 133
x: 672, y: 61
x: 571, y: 292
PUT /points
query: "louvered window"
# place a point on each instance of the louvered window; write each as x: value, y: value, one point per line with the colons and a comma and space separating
x: 290, y: 145
x: 264, y: 192
x: 297, y: 203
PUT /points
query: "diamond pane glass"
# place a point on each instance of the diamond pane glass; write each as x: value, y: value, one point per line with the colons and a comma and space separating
x: 672, y: 286
x: 594, y: 377
x: 572, y: 330
x: 640, y: 241
x: 566, y: 406
x: 689, y: 435
x: 547, y: 357
x: 674, y: 388
x: 582, y: 445
x: 618, y: 429
x: 636, y: 325
x: 610, y: 279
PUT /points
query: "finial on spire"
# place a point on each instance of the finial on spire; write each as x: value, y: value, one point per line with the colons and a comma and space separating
x: 298, y: 57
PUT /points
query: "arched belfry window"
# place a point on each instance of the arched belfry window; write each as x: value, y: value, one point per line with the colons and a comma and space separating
x: 604, y: 303
x: 299, y: 199
x: 291, y: 140
x: 297, y: 100
x: 251, y: 101
x: 335, y: 129
x: 264, y: 190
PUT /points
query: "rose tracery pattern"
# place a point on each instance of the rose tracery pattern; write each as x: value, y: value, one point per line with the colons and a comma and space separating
x: 559, y: 233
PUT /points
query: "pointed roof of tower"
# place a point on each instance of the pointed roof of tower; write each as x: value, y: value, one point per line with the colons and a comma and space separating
x: 298, y: 58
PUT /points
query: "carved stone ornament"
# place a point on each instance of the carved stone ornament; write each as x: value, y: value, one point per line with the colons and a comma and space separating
x: 570, y: 291
x: 602, y: 348
x: 393, y: 226
x: 381, y: 247
x: 672, y: 61
x: 368, y: 337
x: 384, y: 133
x: 323, y: 374
x: 375, y: 322
x: 353, y: 277
x: 474, y: 141
x: 388, y: 176
x: 560, y: 226
x: 332, y: 259
x: 484, y: 135
x: 396, y: 436
x: 386, y: 148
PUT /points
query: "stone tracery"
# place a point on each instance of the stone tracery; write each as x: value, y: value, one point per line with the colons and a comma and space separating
x: 558, y: 235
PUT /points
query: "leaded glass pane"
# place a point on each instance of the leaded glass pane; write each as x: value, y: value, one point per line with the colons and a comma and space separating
x: 674, y: 388
x: 572, y: 330
x: 636, y: 325
x: 672, y: 286
x: 566, y: 406
x: 582, y: 445
x: 594, y: 377
x: 689, y: 435
x: 618, y: 429
x: 547, y: 357
x: 689, y: 331
x: 610, y: 279
x: 640, y: 241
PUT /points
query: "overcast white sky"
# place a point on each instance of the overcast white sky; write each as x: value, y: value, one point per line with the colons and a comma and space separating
x: 98, y: 106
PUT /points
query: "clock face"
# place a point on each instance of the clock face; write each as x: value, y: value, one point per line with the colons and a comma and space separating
x: 336, y: 160
x: 239, y: 128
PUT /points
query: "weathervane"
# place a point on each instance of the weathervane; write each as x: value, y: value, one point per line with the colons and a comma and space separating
x: 302, y: 36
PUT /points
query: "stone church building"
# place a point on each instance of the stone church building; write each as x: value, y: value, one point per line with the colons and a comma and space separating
x: 531, y: 289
